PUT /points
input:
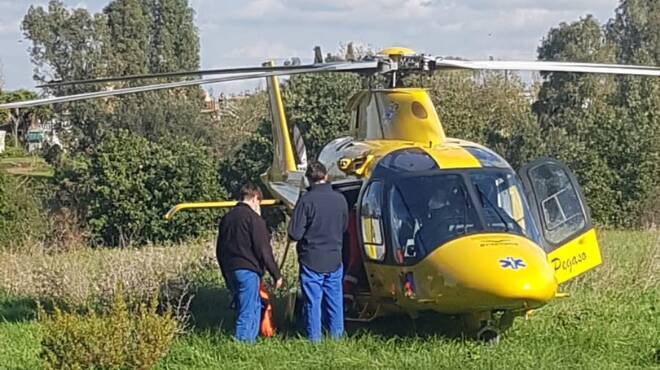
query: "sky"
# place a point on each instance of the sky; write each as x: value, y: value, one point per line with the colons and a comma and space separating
x: 248, y: 32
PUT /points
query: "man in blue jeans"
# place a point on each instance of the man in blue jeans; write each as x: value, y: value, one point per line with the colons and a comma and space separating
x: 318, y: 224
x: 244, y: 252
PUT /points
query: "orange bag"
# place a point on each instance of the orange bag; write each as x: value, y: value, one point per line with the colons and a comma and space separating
x: 267, y: 328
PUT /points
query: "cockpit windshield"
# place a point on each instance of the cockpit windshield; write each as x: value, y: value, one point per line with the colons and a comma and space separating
x: 504, y: 207
x: 428, y: 211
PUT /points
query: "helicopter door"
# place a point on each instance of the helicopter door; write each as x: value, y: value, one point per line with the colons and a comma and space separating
x: 560, y: 210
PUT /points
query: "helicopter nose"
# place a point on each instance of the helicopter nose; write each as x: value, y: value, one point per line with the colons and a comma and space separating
x: 498, y: 270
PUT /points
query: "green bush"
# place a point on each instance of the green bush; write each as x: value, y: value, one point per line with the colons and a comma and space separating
x: 21, y: 215
x: 123, y: 187
x: 123, y: 339
x: 12, y: 151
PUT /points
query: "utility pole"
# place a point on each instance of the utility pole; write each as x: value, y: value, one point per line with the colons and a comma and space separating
x: 16, y: 120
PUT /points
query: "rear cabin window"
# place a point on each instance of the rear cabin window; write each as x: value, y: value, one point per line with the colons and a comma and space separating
x: 562, y: 211
x: 371, y: 219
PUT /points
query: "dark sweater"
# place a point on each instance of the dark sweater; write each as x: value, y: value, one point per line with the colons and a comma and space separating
x: 318, y: 224
x: 244, y: 243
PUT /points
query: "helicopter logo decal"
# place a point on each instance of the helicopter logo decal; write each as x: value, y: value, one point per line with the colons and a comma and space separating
x: 389, y: 113
x: 512, y: 263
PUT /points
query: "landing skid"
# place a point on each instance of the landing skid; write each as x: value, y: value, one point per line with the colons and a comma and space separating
x: 364, y: 310
x: 368, y: 313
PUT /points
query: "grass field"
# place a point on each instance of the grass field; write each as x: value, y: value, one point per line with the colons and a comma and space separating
x: 611, y: 321
x: 26, y: 165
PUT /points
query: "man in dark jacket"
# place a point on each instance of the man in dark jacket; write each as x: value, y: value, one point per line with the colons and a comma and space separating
x: 318, y: 224
x: 244, y: 252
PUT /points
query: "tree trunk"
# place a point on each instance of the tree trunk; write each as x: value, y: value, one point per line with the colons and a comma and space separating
x: 16, y: 120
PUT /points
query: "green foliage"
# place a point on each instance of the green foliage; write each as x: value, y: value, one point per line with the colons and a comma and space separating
x: 248, y: 115
x: 127, y: 37
x: 26, y: 116
x: 252, y: 159
x: 174, y: 37
x: 124, y: 186
x: 19, y: 345
x: 21, y: 216
x: 607, y: 129
x: 634, y: 30
x: 610, y: 321
x: 575, y: 114
x: 120, y: 340
x: 315, y: 103
x: 490, y: 108
x: 13, y: 151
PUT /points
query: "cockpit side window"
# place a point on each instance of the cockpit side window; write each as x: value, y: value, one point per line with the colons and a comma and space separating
x: 404, y: 226
x: 371, y: 220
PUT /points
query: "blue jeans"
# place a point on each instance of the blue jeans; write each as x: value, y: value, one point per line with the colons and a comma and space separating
x: 244, y: 285
x: 323, y: 302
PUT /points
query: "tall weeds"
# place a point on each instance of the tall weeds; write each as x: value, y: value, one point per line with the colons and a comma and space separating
x: 90, y: 276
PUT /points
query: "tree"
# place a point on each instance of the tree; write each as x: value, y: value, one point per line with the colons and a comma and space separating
x: 174, y: 37
x: 316, y: 103
x: 153, y: 37
x: 577, y: 117
x: 488, y: 108
x: 72, y: 45
x: 21, y: 215
x: 128, y: 37
x: 635, y: 30
x: 66, y: 44
x: 606, y: 127
x: 129, y: 29
x: 123, y: 187
x: 22, y: 119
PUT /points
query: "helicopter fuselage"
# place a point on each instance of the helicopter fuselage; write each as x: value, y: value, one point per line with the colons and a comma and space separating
x: 464, y: 272
x: 479, y: 248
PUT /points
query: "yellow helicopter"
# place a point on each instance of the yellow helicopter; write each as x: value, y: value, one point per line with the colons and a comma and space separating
x: 437, y: 224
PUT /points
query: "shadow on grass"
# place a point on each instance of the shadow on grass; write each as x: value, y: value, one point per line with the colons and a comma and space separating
x: 210, y: 311
x: 17, y: 309
x: 428, y: 325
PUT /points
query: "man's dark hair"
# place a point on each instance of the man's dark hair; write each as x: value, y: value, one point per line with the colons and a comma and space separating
x: 316, y: 172
x: 250, y: 190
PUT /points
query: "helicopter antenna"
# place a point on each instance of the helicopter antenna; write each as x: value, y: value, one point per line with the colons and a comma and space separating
x: 350, y: 53
x: 318, y: 55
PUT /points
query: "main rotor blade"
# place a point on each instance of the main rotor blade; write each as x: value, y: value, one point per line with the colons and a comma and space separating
x: 339, y: 67
x: 548, y: 67
x: 199, y: 73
